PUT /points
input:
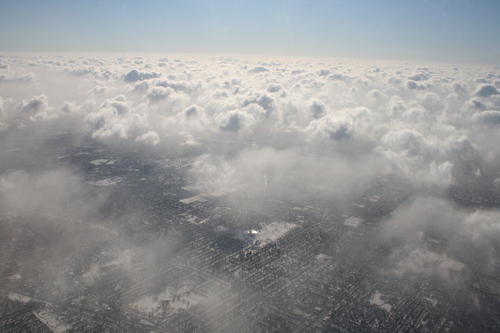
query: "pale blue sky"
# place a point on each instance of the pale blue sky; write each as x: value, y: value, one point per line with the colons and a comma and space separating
x: 455, y: 30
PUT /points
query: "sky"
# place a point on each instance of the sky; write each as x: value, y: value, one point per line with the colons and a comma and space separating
x: 465, y: 31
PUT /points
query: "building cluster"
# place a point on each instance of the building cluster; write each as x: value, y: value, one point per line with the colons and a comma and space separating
x: 153, y: 263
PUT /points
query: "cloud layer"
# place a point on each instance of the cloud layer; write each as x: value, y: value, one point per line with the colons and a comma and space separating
x: 409, y: 148
x: 403, y: 120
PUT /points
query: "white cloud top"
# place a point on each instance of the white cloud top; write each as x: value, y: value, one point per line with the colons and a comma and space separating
x: 418, y: 121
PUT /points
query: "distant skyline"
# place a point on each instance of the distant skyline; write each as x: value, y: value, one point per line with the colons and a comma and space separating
x: 458, y: 31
